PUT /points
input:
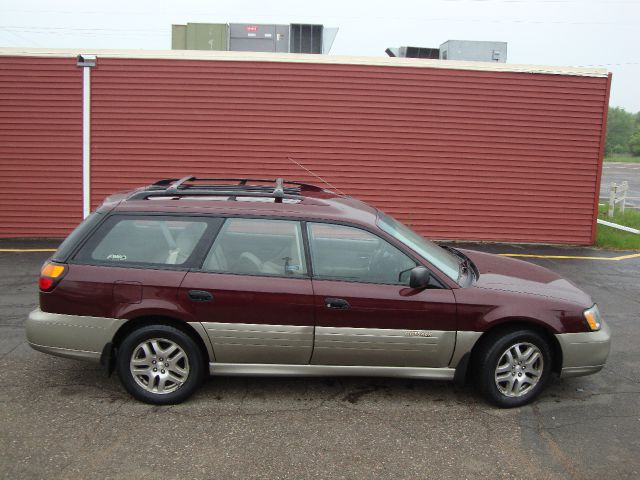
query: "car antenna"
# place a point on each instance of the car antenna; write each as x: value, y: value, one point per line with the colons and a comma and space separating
x: 335, y: 189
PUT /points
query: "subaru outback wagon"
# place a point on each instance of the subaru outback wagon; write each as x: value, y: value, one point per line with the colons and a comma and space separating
x: 191, y: 276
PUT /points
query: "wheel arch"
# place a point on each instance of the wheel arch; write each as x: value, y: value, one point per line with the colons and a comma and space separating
x: 510, y: 325
x: 110, y: 352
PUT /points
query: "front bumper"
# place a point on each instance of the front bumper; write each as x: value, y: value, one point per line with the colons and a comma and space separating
x: 70, y: 336
x: 584, y: 353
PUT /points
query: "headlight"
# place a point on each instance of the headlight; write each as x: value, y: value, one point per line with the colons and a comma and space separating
x: 593, y: 318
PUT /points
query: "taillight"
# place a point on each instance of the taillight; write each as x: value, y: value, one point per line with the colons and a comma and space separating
x: 50, y: 275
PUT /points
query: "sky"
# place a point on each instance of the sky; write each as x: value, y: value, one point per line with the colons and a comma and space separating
x: 543, y: 32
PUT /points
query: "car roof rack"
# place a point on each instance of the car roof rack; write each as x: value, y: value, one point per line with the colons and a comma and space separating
x: 277, y: 188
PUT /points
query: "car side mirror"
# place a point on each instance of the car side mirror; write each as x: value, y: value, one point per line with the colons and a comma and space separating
x: 419, y: 278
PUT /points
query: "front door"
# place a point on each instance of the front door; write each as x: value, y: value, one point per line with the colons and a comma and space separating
x: 366, y: 314
x: 253, y: 294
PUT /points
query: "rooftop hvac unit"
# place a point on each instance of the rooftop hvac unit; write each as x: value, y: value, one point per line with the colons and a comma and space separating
x: 306, y: 38
x: 414, y: 52
x: 252, y: 37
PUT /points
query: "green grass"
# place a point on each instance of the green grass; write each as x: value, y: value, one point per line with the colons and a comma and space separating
x: 622, y: 158
x: 609, y: 237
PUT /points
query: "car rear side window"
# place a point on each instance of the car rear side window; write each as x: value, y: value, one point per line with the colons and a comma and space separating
x: 144, y: 240
x: 258, y: 247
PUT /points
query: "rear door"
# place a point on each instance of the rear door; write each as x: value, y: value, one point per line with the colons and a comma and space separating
x: 253, y: 294
x: 366, y: 314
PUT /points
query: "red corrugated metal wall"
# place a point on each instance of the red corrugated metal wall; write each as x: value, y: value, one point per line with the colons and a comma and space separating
x: 40, y: 146
x: 458, y: 154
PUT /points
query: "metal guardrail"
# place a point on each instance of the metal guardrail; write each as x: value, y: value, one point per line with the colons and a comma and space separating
x: 619, y: 227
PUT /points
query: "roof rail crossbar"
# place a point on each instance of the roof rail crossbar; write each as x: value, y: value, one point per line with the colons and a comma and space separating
x: 278, y: 192
x: 164, y: 182
x: 241, y: 181
x: 232, y: 194
x: 176, y: 185
x: 237, y: 189
x: 245, y: 181
x: 275, y: 188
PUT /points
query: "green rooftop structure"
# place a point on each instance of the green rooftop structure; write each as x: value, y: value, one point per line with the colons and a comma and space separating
x: 200, y: 36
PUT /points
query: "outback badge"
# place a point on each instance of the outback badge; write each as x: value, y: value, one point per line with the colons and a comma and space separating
x: 418, y: 333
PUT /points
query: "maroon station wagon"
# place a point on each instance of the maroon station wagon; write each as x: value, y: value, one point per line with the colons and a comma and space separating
x: 265, y: 277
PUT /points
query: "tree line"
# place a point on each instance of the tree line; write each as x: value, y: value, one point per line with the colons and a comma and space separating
x: 623, y: 132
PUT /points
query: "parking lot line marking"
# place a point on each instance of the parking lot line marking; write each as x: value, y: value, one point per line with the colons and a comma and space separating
x: 572, y: 257
x: 624, y: 257
x: 19, y: 250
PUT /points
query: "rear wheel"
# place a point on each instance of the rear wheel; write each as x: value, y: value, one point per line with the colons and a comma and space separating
x: 159, y: 364
x: 513, y: 368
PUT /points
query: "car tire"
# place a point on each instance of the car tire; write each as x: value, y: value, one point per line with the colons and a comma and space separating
x: 159, y: 364
x: 512, y: 368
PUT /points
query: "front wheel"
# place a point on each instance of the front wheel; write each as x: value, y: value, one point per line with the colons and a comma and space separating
x: 513, y: 368
x: 159, y: 364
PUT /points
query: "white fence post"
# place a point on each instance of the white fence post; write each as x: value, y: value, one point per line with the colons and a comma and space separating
x: 612, y: 199
x: 617, y: 194
x: 625, y: 188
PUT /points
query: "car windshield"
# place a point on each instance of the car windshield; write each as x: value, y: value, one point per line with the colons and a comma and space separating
x: 436, y: 255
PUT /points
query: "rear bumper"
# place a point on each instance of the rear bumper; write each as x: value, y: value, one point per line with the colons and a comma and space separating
x: 70, y: 336
x: 584, y: 353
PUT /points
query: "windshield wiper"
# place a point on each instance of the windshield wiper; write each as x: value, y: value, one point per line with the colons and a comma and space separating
x: 466, y: 264
x: 463, y: 265
x: 455, y: 251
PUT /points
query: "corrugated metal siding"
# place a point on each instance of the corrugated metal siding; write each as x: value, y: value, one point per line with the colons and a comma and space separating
x: 461, y: 154
x: 456, y: 154
x: 40, y: 146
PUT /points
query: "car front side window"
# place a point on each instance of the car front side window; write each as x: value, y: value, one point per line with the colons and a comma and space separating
x: 340, y: 252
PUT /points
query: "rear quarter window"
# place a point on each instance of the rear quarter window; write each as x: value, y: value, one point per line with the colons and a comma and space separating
x: 148, y: 240
x: 70, y: 243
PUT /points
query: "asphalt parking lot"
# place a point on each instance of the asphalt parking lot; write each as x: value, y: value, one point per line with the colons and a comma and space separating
x: 65, y: 419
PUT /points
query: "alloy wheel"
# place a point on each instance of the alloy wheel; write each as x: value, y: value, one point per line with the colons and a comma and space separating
x: 159, y: 365
x: 519, y: 369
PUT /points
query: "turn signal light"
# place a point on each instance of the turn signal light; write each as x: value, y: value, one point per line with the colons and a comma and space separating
x: 592, y: 316
x: 52, y: 270
x: 50, y: 275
